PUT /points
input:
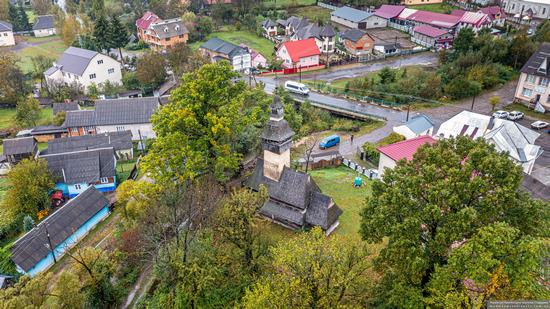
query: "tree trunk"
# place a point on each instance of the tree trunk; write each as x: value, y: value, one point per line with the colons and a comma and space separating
x: 120, y: 53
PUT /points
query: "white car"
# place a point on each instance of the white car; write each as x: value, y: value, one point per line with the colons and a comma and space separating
x: 515, y: 115
x: 539, y: 125
x: 500, y: 114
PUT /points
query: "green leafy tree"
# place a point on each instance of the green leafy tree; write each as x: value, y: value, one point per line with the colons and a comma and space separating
x: 102, y: 34
x: 22, y: 19
x: 236, y: 224
x: 41, y: 7
x: 387, y: 75
x: 183, y: 59
x: 118, y: 36
x: 59, y: 118
x: 110, y: 89
x: 28, y: 194
x: 40, y: 64
x: 150, y: 70
x: 4, y: 10
x: 27, y: 112
x: 543, y: 32
x: 494, y: 101
x: 444, y: 196
x: 12, y: 79
x: 521, y: 48
x: 27, y: 292
x: 13, y: 15
x: 28, y: 223
x: 498, y: 263
x: 464, y: 41
x: 313, y: 271
x: 197, y: 130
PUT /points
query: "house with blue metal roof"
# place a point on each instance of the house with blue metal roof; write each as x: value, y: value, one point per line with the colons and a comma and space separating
x: 416, y: 126
x: 358, y: 19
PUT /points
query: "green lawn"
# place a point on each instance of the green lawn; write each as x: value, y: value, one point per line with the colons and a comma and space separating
x: 314, y: 13
x: 288, y: 3
x: 123, y: 169
x: 338, y: 183
x: 444, y: 8
x: 51, y: 47
x: 528, y: 112
x: 7, y: 115
x: 4, y: 186
x: 260, y: 44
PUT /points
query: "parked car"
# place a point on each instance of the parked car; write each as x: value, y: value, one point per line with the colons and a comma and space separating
x: 295, y: 87
x: 539, y: 125
x: 330, y: 141
x: 515, y: 115
x: 500, y: 114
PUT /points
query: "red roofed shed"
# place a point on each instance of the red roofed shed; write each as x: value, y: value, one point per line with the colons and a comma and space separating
x: 390, y: 154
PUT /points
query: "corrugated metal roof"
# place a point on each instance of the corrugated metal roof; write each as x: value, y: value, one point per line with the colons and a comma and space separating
x: 405, y: 149
x: 118, y: 140
x: 19, y: 145
x: 434, y: 19
x: 351, y: 14
x: 473, y: 17
x: 44, y: 22
x: 389, y: 11
x: 420, y: 123
x: 430, y: 31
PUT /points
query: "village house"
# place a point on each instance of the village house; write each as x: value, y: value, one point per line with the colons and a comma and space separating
x: 295, y: 201
x: 299, y: 54
x: 6, y: 34
x: 357, y: 42
x: 63, y: 229
x: 65, y: 107
x: 324, y: 36
x: 115, y: 115
x: 496, y: 15
x: 292, y: 24
x: 269, y: 27
x: 389, y: 12
x: 474, y: 20
x: 83, y: 68
x: 354, y: 18
x: 393, y: 153
x: 533, y: 85
x: 161, y: 34
x: 526, y: 10
x: 432, y: 37
x: 43, y: 134
x: 507, y: 136
x: 388, y: 48
x: 417, y: 126
x: 219, y: 50
x: 19, y: 148
x: 121, y: 142
x: 75, y: 171
x: 44, y: 25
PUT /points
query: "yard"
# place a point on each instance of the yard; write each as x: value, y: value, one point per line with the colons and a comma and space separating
x: 123, y: 169
x: 7, y: 115
x: 260, y: 44
x: 444, y: 8
x: 4, y: 186
x: 288, y: 3
x: 313, y: 13
x: 51, y: 47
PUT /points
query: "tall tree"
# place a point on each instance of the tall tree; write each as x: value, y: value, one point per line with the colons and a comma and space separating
x: 30, y: 182
x: 12, y: 79
x: 313, y: 271
x: 464, y: 41
x: 118, y: 36
x: 197, y: 130
x: 428, y: 205
x: 70, y: 29
x: 13, y: 15
x: 236, y: 224
x: 521, y: 48
x: 4, y: 10
x: 102, y: 33
x: 40, y: 64
x: 150, y: 70
x: 27, y: 112
x: 183, y: 59
x: 22, y: 19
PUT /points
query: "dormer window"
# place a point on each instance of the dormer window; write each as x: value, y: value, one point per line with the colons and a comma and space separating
x: 543, y: 67
x: 165, y: 29
x: 177, y: 28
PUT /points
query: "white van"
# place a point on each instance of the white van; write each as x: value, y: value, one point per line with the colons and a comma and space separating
x: 295, y: 87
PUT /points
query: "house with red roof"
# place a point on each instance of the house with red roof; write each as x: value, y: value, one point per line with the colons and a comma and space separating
x: 143, y: 23
x: 474, y: 20
x: 432, y: 37
x: 438, y: 20
x: 496, y: 14
x: 299, y: 54
x: 405, y: 150
x: 161, y: 34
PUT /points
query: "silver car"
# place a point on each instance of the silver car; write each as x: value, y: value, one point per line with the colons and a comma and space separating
x: 515, y: 115
x: 500, y: 114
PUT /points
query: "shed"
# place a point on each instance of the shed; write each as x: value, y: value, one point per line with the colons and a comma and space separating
x: 354, y: 18
x: 19, y: 148
x: 416, y: 126
x: 62, y: 229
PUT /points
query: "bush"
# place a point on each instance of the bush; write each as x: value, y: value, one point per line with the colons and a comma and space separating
x: 137, y: 46
x: 28, y: 223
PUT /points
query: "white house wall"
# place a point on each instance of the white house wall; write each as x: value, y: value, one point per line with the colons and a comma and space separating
x: 405, y: 131
x: 44, y: 32
x: 6, y: 38
x: 385, y: 162
x: 146, y: 130
x: 344, y: 22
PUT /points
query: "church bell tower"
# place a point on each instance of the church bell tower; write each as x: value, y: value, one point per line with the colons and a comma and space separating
x: 276, y: 141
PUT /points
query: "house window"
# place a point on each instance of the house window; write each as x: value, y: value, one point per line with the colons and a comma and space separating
x: 77, y: 186
x: 92, y: 76
x: 543, y: 11
x: 111, y: 71
x: 531, y: 79
x: 104, y: 180
x: 120, y: 128
x: 543, y: 81
x: 5, y: 34
x: 74, y: 130
x: 100, y: 61
x: 181, y: 35
x: 526, y: 92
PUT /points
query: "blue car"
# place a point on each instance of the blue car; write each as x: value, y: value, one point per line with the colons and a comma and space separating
x: 330, y: 141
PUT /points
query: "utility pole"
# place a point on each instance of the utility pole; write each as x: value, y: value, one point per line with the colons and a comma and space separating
x: 300, y: 73
x: 50, y: 243
x: 408, y: 108
x: 473, y: 101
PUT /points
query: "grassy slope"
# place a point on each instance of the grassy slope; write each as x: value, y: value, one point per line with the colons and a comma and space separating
x: 313, y: 13
x: 338, y: 183
x: 51, y: 47
x: 287, y: 3
x: 262, y: 45
x: 4, y: 185
x: 6, y: 117
x: 436, y: 7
